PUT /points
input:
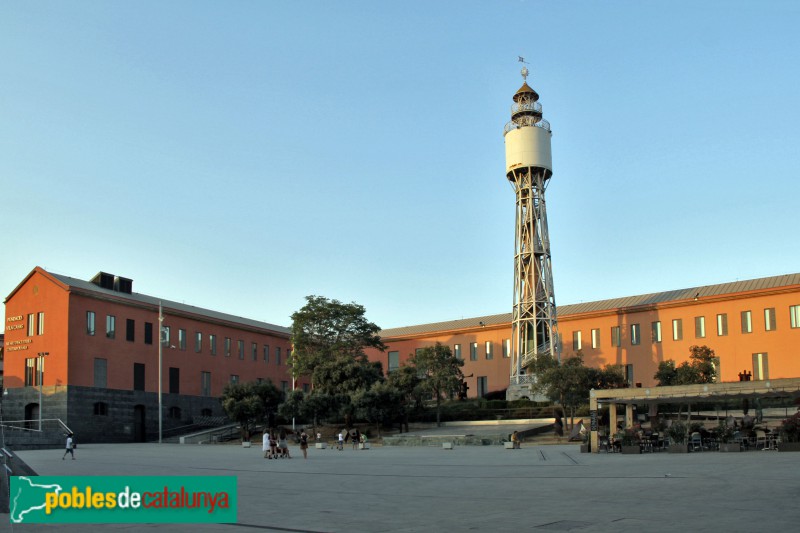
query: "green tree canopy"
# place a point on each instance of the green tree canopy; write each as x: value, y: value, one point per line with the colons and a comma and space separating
x: 324, y: 330
x: 251, y: 402
x: 700, y: 368
x: 439, y: 371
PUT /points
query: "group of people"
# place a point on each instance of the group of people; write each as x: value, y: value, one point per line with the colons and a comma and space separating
x: 354, y: 435
x: 278, y: 448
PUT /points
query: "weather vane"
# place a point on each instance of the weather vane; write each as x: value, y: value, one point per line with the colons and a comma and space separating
x: 524, y: 70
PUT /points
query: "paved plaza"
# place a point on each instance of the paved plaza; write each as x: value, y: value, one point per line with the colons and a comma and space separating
x: 481, y: 488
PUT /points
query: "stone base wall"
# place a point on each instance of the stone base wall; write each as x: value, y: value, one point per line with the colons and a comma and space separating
x: 124, y: 416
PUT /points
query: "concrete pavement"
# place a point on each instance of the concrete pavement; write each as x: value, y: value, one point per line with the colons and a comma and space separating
x: 483, y: 488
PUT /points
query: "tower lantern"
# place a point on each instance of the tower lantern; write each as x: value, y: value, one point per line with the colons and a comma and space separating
x: 529, y: 167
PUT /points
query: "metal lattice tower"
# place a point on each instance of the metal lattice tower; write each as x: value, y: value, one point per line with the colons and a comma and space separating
x: 529, y: 168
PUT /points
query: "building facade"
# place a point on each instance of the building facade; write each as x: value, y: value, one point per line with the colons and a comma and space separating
x: 91, y: 350
x: 752, y: 326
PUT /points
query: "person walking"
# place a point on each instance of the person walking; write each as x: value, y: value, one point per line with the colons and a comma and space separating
x: 341, y: 440
x: 304, y: 443
x: 265, y: 444
x: 70, y: 448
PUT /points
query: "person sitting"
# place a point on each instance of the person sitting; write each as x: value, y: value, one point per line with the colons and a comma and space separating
x: 515, y: 441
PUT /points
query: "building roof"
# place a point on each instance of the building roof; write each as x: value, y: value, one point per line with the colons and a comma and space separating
x: 624, y: 303
x: 89, y: 287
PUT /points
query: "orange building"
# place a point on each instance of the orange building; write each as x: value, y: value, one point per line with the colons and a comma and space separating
x: 93, y: 348
x: 752, y: 326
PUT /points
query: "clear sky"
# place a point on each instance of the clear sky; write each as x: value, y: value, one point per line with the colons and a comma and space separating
x: 241, y: 155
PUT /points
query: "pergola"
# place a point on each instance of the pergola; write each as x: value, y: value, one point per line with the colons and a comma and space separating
x: 706, y: 392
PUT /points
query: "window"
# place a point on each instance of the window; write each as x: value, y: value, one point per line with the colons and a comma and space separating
x: 722, y: 325
x: 90, y: 322
x: 595, y: 338
x: 473, y: 351
x: 138, y: 376
x: 629, y: 375
x: 577, y: 342
x: 174, y: 380
x: 700, y: 327
x: 769, y: 319
x: 240, y: 346
x: 165, y: 336
x: 677, y: 329
x: 636, y: 334
x: 284, y: 386
x: 100, y: 372
x: 394, y: 361
x: 794, y: 316
x: 198, y: 342
x: 615, y: 336
x: 205, y: 412
x: 101, y: 409
x: 182, y: 339
x: 40, y: 323
x: 506, y: 348
x: 254, y: 351
x: 655, y: 330
x: 205, y: 383
x: 483, y: 386
x: 760, y: 366
x: 148, y: 333
x: 31, y: 324
x: 227, y: 346
x: 234, y: 379
x: 278, y: 355
x: 266, y: 353
x: 175, y: 412
x: 34, y: 371
x: 747, y: 322
x: 488, y: 347
x: 306, y: 388
x: 457, y: 351
x: 212, y: 344
x: 111, y: 326
x: 130, y: 329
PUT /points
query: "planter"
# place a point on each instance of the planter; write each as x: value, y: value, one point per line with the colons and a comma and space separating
x: 447, y: 445
x: 633, y: 449
x: 508, y: 445
x: 730, y: 447
x: 246, y: 444
x: 678, y: 448
x: 789, y: 447
x: 363, y: 446
x: 321, y: 445
x: 584, y: 448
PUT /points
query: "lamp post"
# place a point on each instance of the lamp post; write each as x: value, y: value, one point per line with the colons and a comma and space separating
x: 40, y: 363
x: 160, y: 348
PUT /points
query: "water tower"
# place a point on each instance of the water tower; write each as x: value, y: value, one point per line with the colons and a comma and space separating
x: 529, y: 167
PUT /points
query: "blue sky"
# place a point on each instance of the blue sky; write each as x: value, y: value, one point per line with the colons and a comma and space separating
x: 242, y: 155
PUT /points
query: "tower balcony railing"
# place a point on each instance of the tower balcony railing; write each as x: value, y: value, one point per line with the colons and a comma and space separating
x: 525, y: 122
x: 536, y: 107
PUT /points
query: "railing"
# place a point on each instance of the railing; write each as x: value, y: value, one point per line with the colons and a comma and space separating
x: 48, y: 424
x: 536, y: 107
x: 524, y: 122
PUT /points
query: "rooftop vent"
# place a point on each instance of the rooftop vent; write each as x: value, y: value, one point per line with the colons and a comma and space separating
x: 112, y: 282
x: 104, y: 280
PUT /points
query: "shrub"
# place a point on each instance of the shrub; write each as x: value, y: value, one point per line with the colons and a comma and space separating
x: 677, y: 432
x: 790, y: 428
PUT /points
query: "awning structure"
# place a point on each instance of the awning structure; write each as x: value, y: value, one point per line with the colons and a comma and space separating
x: 706, y: 392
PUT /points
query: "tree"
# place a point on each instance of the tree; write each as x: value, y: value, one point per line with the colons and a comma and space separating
x: 324, y: 330
x: 407, y: 381
x: 249, y: 403
x: 700, y: 368
x: 439, y: 371
x: 567, y: 383
x: 381, y: 405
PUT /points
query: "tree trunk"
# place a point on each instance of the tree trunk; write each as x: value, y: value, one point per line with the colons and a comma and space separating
x: 438, y: 411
